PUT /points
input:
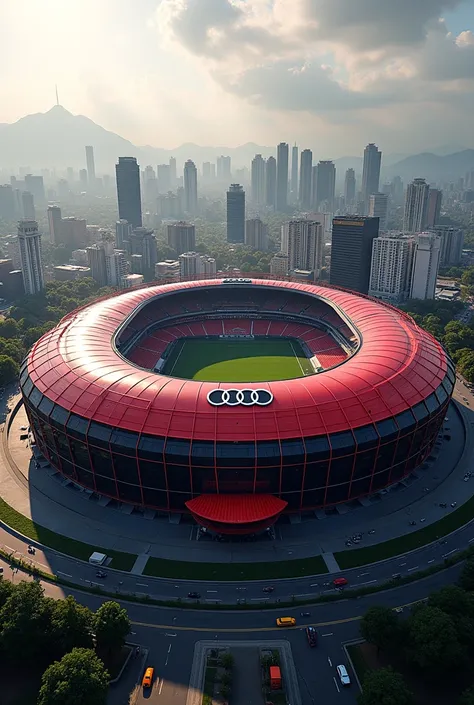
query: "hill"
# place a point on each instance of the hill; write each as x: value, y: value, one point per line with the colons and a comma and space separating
x: 433, y: 167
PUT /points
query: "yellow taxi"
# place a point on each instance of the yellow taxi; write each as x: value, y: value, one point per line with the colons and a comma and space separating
x: 148, y: 677
x: 286, y: 622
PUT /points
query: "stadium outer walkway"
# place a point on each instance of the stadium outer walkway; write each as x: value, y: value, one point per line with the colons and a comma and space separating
x: 37, y: 494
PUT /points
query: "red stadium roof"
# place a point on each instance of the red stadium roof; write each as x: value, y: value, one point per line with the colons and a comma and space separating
x: 396, y: 366
x: 236, y: 508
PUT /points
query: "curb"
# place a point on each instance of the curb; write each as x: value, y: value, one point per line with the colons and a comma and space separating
x: 125, y: 664
x: 353, y: 642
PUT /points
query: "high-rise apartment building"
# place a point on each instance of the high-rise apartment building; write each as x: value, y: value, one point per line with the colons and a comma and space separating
x: 434, y: 207
x: 116, y: 268
x: 7, y: 202
x: 325, y: 186
x: 143, y: 242
x: 370, y: 173
x: 270, y: 181
x: 349, y: 188
x: 83, y: 178
x: 416, y: 206
x: 181, y: 237
x: 257, y: 177
x: 282, y: 177
x: 173, y: 173
x: 73, y: 232
x: 235, y: 214
x: 90, y: 164
x: 123, y: 230
x: 306, y: 176
x: 425, y: 266
x: 224, y: 173
x: 190, y: 188
x: 256, y: 234
x: 29, y: 241
x: 391, y: 268
x: 305, y: 246
x: 128, y: 191
x: 28, y: 205
x: 163, y: 175
x: 279, y: 264
x: 351, y: 251
x: 193, y: 264
x: 294, y: 174
x: 378, y: 208
x: 96, y: 255
x: 54, y: 223
x: 35, y: 185
x: 206, y: 172
x: 452, y: 243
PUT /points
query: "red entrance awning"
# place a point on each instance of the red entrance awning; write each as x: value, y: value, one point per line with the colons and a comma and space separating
x: 236, y: 508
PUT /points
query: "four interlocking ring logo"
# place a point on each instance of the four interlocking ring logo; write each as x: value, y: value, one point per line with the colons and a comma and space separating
x: 240, y: 397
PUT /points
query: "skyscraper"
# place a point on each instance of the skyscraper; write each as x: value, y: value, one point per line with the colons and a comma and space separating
x: 391, y: 268
x: 7, y: 202
x: 29, y: 241
x: 294, y: 174
x: 325, y: 186
x: 282, y: 177
x: 223, y: 169
x: 163, y: 174
x: 434, y: 207
x: 306, y: 175
x: 235, y: 214
x: 305, y: 246
x: 54, y: 222
x: 83, y: 178
x: 351, y: 252
x: 270, y: 181
x: 181, y: 237
x: 378, y: 208
x: 349, y: 188
x: 452, y: 243
x: 173, y: 172
x: 416, y: 206
x: 122, y: 233
x: 90, y: 164
x: 143, y: 242
x: 28, y: 205
x: 425, y: 266
x: 256, y: 234
x: 370, y: 173
x: 127, y: 173
x: 258, y: 180
x: 35, y: 185
x: 190, y: 187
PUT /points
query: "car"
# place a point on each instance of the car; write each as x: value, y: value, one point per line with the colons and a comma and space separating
x: 312, y: 636
x: 101, y: 574
x: 343, y: 675
x: 268, y: 588
x: 340, y: 582
x: 396, y: 576
x: 148, y: 677
x: 286, y: 622
x: 194, y: 595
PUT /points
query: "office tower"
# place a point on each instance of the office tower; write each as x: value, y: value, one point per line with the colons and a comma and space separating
x: 164, y: 178
x: 190, y: 187
x: 370, y: 173
x: 256, y: 234
x: 279, y: 264
x: 325, y: 186
x: 83, y: 178
x: 29, y: 241
x: 116, y: 268
x: 349, y: 188
x: 143, y: 242
x: 452, y: 243
x: 258, y: 180
x: 425, y: 266
x: 305, y: 246
x: 128, y: 191
x: 378, y: 208
x: 416, y: 206
x: 73, y: 232
x: 434, y: 207
x: 90, y: 164
x: 173, y: 179
x: 7, y: 202
x: 306, y: 177
x: 35, y: 185
x: 122, y: 233
x: 96, y: 261
x: 235, y: 214
x: 206, y: 172
x: 181, y: 237
x: 270, y: 181
x: 223, y: 169
x: 351, y: 252
x: 193, y: 265
x: 294, y: 174
x: 28, y: 205
x: 397, y: 190
x: 282, y: 177
x: 391, y: 268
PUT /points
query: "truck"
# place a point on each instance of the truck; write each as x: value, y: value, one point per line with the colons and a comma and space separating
x: 275, y: 678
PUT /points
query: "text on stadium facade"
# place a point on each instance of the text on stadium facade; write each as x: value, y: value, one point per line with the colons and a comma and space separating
x: 237, y: 281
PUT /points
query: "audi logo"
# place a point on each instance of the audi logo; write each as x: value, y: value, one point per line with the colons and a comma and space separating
x: 240, y: 397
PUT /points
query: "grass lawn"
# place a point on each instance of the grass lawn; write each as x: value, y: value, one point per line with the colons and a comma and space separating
x: 235, y: 571
x: 260, y: 360
x: 78, y: 549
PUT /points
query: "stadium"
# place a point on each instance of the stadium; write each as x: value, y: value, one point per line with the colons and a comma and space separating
x: 236, y: 400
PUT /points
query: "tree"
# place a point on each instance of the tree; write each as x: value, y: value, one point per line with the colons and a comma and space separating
x: 79, y: 678
x: 8, y: 328
x: 227, y: 660
x: 433, y: 642
x: 25, y: 623
x: 9, y: 369
x: 384, y: 686
x: 380, y: 626
x: 466, y: 579
x: 71, y: 626
x: 453, y: 600
x: 111, y: 624
x: 467, y: 698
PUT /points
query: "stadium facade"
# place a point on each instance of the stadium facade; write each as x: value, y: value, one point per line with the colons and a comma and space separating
x: 236, y: 455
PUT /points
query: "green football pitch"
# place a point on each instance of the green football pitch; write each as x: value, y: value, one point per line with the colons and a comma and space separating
x: 219, y: 360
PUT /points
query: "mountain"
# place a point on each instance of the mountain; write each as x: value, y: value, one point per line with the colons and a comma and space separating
x: 433, y: 167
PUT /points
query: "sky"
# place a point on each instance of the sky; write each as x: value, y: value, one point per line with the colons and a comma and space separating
x: 328, y: 74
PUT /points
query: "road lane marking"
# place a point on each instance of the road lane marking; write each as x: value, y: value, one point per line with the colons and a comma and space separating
x: 335, y: 683
x: 161, y: 687
x: 169, y: 648
x: 369, y: 582
x: 142, y: 584
x: 449, y: 552
x: 329, y: 634
x: 471, y: 540
x: 414, y: 568
x: 401, y: 564
x: 60, y: 572
x: 169, y: 634
x: 211, y: 590
x: 329, y: 662
x: 305, y: 594
x: 431, y: 561
x: 317, y: 584
x: 362, y: 575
